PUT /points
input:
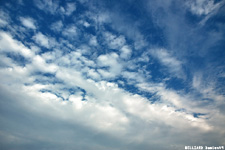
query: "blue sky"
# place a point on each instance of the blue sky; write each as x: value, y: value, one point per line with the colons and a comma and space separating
x: 131, y: 75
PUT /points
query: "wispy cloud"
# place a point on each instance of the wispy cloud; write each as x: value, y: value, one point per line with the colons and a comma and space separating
x: 4, y: 18
x: 113, y: 73
x: 113, y: 41
x: 70, y: 32
x: 41, y: 39
x: 28, y: 22
x: 57, y: 26
x: 47, y: 6
x: 166, y: 59
x: 70, y: 8
x: 93, y: 41
x: 202, y: 7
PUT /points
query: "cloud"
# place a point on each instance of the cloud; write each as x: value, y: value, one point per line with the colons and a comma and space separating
x: 111, y: 61
x: 39, y: 64
x: 57, y: 26
x: 99, y: 117
x: 99, y: 17
x: 3, y: 22
x: 207, y: 87
x: 166, y: 59
x: 203, y: 7
x: 86, y: 24
x: 113, y: 41
x: 4, y: 18
x: 93, y: 41
x: 133, y: 77
x: 70, y: 31
x: 93, y: 74
x: 176, y: 99
x: 98, y: 84
x: 8, y: 44
x: 70, y: 8
x: 41, y: 39
x: 110, y: 110
x: 127, y: 27
x: 47, y: 6
x: 125, y: 52
x: 28, y: 22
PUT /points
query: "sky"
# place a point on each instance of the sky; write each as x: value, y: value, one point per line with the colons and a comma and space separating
x: 112, y: 75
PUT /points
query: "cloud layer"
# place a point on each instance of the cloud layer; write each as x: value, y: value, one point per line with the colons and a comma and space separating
x: 111, y: 75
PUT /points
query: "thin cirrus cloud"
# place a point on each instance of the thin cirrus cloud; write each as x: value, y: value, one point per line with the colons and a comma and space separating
x: 102, y: 75
x: 203, y: 7
x: 166, y: 59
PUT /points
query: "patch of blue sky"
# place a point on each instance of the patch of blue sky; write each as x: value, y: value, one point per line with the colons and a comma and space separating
x: 18, y: 59
x: 177, y: 84
x: 192, y: 19
x: 198, y: 115
x: 129, y: 85
x: 43, y: 77
x: 84, y: 93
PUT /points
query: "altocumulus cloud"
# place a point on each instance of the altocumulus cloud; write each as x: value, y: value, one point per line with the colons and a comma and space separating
x: 111, y: 75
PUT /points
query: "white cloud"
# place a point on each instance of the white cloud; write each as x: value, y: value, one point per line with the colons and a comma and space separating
x: 28, y: 22
x: 140, y: 107
x: 3, y: 22
x: 70, y: 8
x: 139, y: 41
x: 207, y: 88
x: 41, y: 39
x: 133, y: 77
x: 107, y: 109
x: 57, y: 26
x: 102, y: 18
x: 8, y: 44
x: 93, y: 41
x: 131, y: 31
x: 176, y: 99
x: 47, y: 6
x: 70, y: 31
x: 117, y: 42
x: 39, y: 64
x: 83, y: 1
x: 86, y: 24
x: 165, y: 58
x: 4, y: 18
x: 99, y: 17
x: 113, y: 41
x: 125, y: 52
x: 202, y: 7
x: 111, y: 61
x: 106, y: 74
x: 14, y: 74
x: 111, y: 110
x: 68, y: 100
x: 133, y: 104
x: 197, y: 79
x: 93, y: 74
